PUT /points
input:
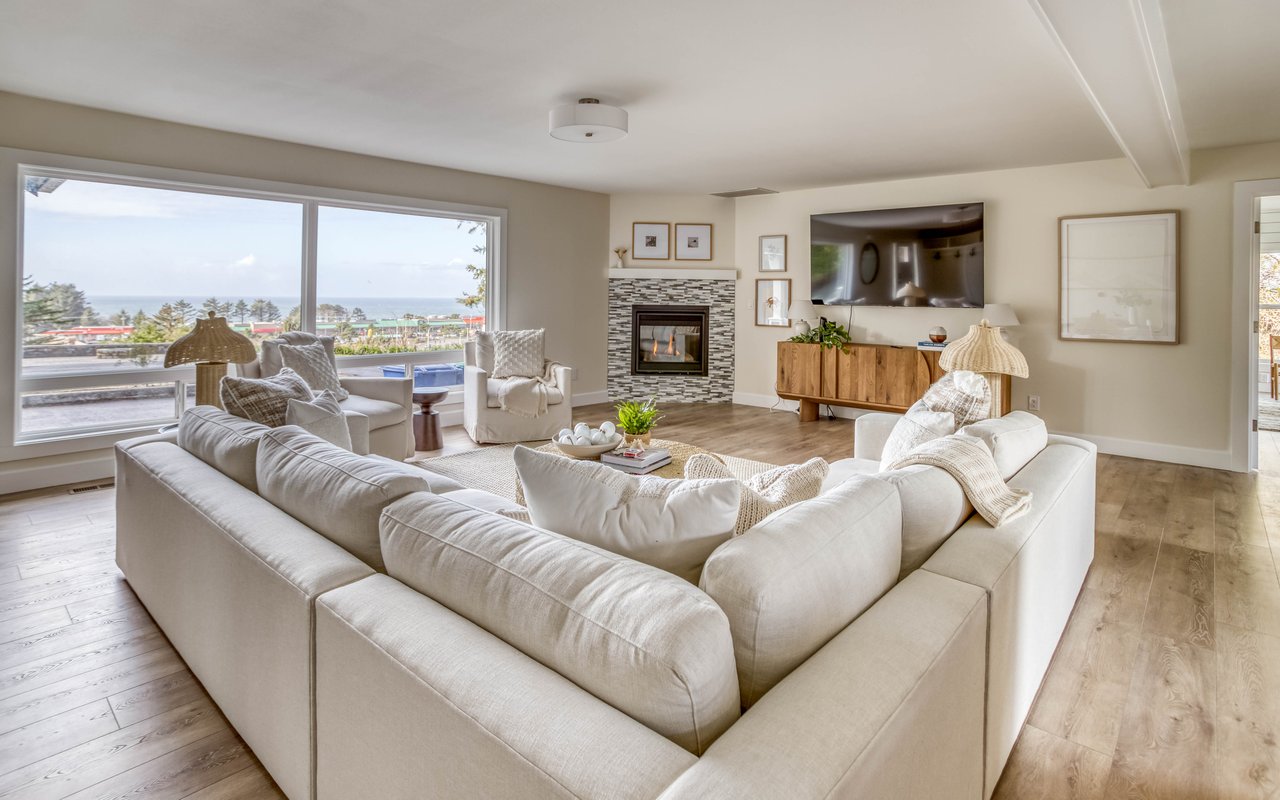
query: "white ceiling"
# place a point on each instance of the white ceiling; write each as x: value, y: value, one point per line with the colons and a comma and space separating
x: 722, y: 94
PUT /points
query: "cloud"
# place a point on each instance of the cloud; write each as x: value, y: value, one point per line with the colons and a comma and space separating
x: 247, y: 261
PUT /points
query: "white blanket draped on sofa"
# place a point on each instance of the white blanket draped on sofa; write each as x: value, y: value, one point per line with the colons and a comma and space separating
x: 527, y: 397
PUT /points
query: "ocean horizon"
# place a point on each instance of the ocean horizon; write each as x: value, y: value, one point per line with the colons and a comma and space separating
x: 374, y: 308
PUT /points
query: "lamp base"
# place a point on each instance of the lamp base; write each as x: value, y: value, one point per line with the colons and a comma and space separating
x: 1001, y: 393
x: 209, y: 375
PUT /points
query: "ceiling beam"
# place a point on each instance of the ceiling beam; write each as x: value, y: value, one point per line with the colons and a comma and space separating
x: 1118, y: 52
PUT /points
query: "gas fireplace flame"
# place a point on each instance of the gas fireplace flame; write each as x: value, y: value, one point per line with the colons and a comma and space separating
x: 671, y: 346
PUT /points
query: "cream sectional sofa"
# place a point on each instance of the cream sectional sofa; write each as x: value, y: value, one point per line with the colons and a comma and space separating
x: 374, y: 630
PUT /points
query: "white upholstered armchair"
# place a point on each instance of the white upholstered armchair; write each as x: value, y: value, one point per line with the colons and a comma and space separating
x: 486, y: 422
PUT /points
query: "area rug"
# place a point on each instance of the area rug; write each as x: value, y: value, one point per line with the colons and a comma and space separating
x: 493, y: 469
x: 1268, y: 414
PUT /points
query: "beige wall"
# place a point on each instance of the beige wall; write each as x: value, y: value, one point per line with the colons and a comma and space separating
x: 628, y: 208
x: 557, y: 245
x: 1161, y: 400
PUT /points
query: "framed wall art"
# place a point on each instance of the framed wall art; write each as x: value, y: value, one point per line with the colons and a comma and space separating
x: 693, y: 241
x: 773, y: 253
x: 773, y: 302
x: 1118, y: 277
x: 651, y: 241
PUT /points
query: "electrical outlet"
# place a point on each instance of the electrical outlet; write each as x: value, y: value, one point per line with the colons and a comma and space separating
x: 1033, y: 402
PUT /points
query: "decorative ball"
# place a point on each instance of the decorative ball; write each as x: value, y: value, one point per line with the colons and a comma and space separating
x: 608, y: 428
x: 598, y: 437
x: 563, y: 433
x: 938, y: 335
x: 581, y: 429
x: 566, y: 438
x: 582, y: 441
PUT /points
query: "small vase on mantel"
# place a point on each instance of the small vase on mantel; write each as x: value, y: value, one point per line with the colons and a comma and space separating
x: 621, y: 253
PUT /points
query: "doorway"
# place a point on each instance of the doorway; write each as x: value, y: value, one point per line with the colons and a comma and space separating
x: 1255, y: 417
x: 1267, y: 266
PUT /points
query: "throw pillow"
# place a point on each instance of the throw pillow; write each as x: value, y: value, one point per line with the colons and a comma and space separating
x: 965, y: 394
x: 919, y: 425
x: 518, y: 354
x: 669, y: 524
x: 269, y: 362
x: 316, y: 366
x: 766, y: 492
x: 321, y: 417
x: 264, y: 400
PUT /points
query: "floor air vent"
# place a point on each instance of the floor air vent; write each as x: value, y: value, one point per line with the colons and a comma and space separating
x: 95, y: 487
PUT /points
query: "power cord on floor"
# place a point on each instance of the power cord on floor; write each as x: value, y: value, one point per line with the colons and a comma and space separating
x: 779, y: 402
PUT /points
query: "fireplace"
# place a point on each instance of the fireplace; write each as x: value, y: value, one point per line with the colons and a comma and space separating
x: 669, y: 340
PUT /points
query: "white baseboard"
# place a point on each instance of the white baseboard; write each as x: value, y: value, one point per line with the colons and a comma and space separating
x: 1154, y: 451
x: 18, y: 478
x: 590, y: 398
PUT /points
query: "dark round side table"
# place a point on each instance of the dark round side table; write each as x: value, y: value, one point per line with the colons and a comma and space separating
x: 426, y: 423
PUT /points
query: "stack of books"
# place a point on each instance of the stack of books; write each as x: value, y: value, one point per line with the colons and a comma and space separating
x: 927, y: 345
x: 641, y: 463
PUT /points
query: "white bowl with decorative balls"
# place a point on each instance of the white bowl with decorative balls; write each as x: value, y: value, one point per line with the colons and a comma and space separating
x: 584, y: 441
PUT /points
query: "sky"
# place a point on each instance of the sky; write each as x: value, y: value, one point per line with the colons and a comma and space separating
x: 126, y: 240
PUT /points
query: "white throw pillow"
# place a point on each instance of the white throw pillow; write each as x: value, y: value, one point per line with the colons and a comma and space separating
x: 315, y: 365
x: 263, y: 400
x: 965, y: 394
x: 518, y: 354
x: 269, y: 361
x: 919, y: 425
x: 766, y: 492
x: 669, y: 524
x: 321, y: 417
x: 1014, y: 439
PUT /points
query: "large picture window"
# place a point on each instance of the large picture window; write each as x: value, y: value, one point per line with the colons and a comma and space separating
x: 114, y: 269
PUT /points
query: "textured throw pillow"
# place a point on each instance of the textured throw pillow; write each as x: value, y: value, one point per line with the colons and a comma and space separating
x: 669, y: 524
x: 314, y: 365
x: 517, y: 354
x: 919, y: 425
x: 269, y: 362
x: 321, y: 417
x: 264, y: 400
x: 965, y: 394
x: 766, y: 492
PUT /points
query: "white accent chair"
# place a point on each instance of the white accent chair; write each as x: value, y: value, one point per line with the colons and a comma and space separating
x: 379, y: 413
x: 482, y: 415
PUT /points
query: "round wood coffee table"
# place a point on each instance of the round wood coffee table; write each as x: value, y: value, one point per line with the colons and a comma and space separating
x: 426, y: 423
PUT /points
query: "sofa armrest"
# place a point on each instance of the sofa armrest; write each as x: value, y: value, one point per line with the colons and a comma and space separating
x: 891, y: 707
x: 358, y: 428
x: 390, y: 390
x: 870, y: 432
x: 564, y: 381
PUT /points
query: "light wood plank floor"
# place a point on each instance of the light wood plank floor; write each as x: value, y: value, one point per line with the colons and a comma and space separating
x: 1166, y: 683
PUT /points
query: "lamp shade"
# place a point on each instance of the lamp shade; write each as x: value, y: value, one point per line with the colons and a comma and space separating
x: 1000, y: 315
x: 211, y: 340
x: 909, y: 290
x: 982, y: 349
x: 587, y: 120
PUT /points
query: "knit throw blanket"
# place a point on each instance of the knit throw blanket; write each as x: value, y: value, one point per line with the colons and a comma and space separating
x: 970, y: 462
x: 527, y: 397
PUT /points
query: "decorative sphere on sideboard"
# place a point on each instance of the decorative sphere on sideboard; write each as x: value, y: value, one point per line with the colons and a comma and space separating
x: 938, y: 334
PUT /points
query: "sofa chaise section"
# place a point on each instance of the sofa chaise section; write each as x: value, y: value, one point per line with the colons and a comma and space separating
x: 231, y: 579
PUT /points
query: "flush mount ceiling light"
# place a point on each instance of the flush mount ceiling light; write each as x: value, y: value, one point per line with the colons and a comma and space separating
x: 588, y: 120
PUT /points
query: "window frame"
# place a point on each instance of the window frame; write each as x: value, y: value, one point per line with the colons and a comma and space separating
x: 17, y: 165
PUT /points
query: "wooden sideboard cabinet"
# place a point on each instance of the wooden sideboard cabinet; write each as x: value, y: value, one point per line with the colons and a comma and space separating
x: 877, y: 377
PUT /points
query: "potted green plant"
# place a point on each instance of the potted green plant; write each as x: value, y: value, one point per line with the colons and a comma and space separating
x: 829, y: 334
x: 637, y: 420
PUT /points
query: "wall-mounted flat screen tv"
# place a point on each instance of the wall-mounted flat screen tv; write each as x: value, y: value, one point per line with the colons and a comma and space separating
x: 927, y: 256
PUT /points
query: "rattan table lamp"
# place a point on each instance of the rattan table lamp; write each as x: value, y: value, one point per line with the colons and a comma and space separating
x: 211, y: 345
x: 984, y: 350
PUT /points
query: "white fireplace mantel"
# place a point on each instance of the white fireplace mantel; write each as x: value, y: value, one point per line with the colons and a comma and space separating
x: 674, y: 273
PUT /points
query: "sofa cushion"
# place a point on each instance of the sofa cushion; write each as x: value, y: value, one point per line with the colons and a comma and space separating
x: 481, y: 500
x: 555, y: 395
x: 799, y: 577
x: 933, y: 504
x: 644, y: 641
x: 224, y: 441
x: 315, y: 365
x: 321, y: 417
x: 381, y: 413
x: 669, y: 524
x: 335, y: 492
x: 765, y: 492
x: 263, y: 400
x: 1013, y: 439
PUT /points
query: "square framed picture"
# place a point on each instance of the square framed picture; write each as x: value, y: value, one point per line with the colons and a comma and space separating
x: 693, y: 241
x: 773, y: 302
x: 773, y: 253
x: 651, y: 241
x: 1118, y: 277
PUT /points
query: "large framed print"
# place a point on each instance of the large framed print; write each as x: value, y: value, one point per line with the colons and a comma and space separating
x: 1118, y: 277
x: 651, y: 241
x: 773, y: 302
